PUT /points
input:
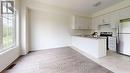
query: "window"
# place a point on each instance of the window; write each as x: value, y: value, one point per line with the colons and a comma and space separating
x: 7, y: 7
x: 8, y: 26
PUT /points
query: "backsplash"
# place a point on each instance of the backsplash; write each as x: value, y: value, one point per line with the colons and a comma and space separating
x: 81, y: 32
x: 105, y: 28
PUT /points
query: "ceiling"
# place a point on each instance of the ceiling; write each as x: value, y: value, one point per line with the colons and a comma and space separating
x: 84, y: 6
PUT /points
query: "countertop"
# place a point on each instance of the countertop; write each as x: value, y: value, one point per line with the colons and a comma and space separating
x: 91, y: 37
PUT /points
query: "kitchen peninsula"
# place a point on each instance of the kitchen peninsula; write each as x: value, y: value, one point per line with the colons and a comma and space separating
x: 93, y: 46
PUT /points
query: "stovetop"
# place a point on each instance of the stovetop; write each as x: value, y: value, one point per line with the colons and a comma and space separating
x: 106, y: 34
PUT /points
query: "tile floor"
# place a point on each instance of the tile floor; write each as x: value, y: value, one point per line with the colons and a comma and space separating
x: 113, y: 61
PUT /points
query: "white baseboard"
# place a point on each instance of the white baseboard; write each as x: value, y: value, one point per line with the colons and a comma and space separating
x: 83, y: 53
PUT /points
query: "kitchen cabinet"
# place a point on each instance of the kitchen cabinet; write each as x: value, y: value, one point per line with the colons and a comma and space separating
x: 114, y: 19
x: 111, y: 18
x: 85, y: 45
x: 95, y: 23
x: 112, y: 43
x: 125, y: 13
x: 80, y: 22
x: 100, y: 20
x: 105, y: 19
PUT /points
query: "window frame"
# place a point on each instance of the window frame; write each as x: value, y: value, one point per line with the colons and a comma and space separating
x: 7, y: 7
x: 15, y: 43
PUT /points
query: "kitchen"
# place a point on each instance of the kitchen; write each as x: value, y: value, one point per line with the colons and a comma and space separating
x: 106, y: 28
x: 61, y: 36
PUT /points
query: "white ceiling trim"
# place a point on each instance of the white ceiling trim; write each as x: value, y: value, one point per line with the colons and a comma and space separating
x: 82, y: 6
x: 115, y: 7
x: 52, y: 9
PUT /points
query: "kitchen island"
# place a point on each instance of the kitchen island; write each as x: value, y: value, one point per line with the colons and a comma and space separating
x: 92, y: 46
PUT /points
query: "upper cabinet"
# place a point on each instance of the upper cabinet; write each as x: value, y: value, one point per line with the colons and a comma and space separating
x: 81, y: 22
x: 116, y: 16
x: 105, y: 19
x: 111, y: 19
x: 114, y: 19
x: 125, y: 13
x: 100, y: 20
x: 95, y: 23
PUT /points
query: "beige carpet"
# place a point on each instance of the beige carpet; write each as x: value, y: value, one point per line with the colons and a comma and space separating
x: 61, y: 60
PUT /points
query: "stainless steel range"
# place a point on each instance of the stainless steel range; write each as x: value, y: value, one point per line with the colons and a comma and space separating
x: 106, y: 34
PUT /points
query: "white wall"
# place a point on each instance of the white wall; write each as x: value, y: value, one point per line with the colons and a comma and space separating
x: 54, y: 16
x: 49, y: 30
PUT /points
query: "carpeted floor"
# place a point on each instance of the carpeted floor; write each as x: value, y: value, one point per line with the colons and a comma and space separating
x: 61, y: 60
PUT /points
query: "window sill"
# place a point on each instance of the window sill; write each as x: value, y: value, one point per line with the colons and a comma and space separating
x: 6, y: 50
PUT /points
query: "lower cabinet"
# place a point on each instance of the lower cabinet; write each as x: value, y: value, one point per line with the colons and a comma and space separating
x: 112, y: 43
x: 91, y: 46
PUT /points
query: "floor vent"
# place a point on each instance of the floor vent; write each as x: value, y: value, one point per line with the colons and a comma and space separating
x: 11, y: 66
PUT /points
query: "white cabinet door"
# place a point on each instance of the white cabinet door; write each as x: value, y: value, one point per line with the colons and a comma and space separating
x: 83, y: 23
x: 114, y: 19
x: 112, y: 43
x: 80, y: 23
x: 100, y: 20
x: 95, y: 23
x: 89, y: 23
x: 125, y: 13
x: 105, y: 19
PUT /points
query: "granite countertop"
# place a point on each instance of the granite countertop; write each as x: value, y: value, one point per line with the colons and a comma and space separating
x: 91, y: 37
